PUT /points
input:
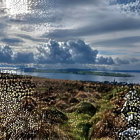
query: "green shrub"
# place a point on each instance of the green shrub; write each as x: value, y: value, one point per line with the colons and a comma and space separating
x: 86, y: 108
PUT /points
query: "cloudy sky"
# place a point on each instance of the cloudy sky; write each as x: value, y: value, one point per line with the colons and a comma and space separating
x: 71, y: 33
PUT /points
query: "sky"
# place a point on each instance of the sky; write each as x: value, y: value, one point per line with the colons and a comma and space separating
x: 103, y: 34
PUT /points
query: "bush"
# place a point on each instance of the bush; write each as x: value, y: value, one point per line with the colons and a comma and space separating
x: 86, y: 108
x: 53, y: 115
x: 85, y: 129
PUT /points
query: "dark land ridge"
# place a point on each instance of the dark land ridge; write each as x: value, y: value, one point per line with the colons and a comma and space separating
x: 46, y: 109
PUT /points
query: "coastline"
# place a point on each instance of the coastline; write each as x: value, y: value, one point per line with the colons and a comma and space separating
x: 79, y: 71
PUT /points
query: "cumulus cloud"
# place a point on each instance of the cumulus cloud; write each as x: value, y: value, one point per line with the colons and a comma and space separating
x: 6, y: 54
x: 121, y: 61
x: 105, y: 60
x: 52, y: 52
x: 22, y: 57
x: 66, y: 52
x: 98, y: 22
x: 72, y: 52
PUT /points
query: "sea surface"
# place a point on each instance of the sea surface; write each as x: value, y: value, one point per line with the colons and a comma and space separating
x: 79, y: 77
x: 64, y: 76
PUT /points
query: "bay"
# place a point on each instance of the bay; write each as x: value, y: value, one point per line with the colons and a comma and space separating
x: 65, y: 76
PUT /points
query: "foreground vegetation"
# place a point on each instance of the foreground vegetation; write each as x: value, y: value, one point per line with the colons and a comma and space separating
x: 63, y: 110
x: 93, y: 110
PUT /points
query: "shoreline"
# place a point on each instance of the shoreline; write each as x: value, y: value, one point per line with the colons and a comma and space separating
x: 85, y: 81
x: 79, y: 72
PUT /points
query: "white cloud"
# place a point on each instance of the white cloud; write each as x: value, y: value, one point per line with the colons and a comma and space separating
x: 66, y: 52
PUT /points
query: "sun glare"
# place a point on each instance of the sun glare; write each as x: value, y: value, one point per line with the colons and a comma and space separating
x: 17, y: 7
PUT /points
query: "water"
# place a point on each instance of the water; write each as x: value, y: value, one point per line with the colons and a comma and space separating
x: 68, y: 76
x: 65, y: 76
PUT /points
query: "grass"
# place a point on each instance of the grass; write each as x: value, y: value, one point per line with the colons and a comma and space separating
x: 77, y: 126
x: 42, y: 89
x: 80, y: 126
x: 107, y: 138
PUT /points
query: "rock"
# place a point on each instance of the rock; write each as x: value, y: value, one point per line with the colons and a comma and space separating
x: 131, y: 112
x: 53, y: 116
x: 86, y: 108
x: 129, y: 134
